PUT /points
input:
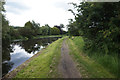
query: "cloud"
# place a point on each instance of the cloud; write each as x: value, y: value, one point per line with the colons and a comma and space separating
x: 62, y: 5
x: 52, y: 12
x: 15, y: 7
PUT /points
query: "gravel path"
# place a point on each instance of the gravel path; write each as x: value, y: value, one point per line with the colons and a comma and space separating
x: 67, y: 67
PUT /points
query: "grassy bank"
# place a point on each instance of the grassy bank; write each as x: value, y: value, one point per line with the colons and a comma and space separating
x: 43, y: 66
x: 89, y: 67
x: 37, y: 37
x: 48, y: 36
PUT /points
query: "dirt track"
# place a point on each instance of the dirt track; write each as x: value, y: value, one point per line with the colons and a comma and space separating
x: 67, y: 67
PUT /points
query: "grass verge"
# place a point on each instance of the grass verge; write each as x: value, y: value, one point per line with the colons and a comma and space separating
x: 88, y: 67
x: 43, y: 66
x: 48, y: 36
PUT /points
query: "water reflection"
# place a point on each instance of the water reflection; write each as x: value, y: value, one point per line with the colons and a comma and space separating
x: 18, y: 52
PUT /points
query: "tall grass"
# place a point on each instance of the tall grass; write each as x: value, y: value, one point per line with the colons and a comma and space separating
x: 108, y: 61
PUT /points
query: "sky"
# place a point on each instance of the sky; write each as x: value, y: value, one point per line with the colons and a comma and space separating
x: 51, y: 12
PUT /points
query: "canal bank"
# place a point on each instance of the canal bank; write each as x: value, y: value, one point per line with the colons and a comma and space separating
x: 44, y: 63
x: 61, y: 59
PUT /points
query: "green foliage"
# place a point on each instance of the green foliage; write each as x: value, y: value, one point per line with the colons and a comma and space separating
x: 62, y: 25
x: 6, y: 37
x: 26, y: 32
x: 14, y: 33
x: 45, y: 30
x: 30, y: 29
x: 109, y: 62
x: 99, y: 25
x: 55, y: 31
x: 36, y: 28
x: 88, y: 67
x: 73, y: 29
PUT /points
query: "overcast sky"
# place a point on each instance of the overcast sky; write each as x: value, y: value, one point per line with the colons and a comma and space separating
x: 52, y: 12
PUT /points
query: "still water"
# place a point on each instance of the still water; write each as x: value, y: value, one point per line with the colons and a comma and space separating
x: 18, y: 52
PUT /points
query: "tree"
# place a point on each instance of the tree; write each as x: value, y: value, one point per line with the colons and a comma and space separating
x: 59, y: 27
x: 27, y: 30
x: 98, y: 27
x: 30, y: 29
x: 14, y: 33
x: 45, y: 30
x: 99, y: 24
x: 49, y: 29
x: 6, y: 37
x: 55, y: 31
x: 73, y: 29
x: 62, y: 25
x: 36, y: 28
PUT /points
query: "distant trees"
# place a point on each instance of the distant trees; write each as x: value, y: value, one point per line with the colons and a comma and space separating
x: 60, y: 28
x: 14, y: 33
x: 29, y: 30
x: 36, y: 28
x: 32, y: 29
x: 45, y: 30
x: 61, y: 25
x: 55, y: 31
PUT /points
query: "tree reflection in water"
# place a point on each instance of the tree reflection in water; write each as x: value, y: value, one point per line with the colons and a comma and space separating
x: 12, y: 55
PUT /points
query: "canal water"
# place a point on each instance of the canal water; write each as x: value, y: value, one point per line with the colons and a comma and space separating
x: 17, y: 52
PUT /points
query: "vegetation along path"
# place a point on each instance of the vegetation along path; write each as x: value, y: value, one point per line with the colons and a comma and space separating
x: 67, y: 67
x: 63, y: 58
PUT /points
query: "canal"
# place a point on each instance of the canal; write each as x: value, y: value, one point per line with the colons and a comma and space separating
x: 17, y: 52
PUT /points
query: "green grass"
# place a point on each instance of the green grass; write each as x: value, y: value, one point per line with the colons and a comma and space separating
x: 109, y: 62
x: 41, y: 36
x: 88, y: 67
x: 37, y: 37
x: 43, y: 66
